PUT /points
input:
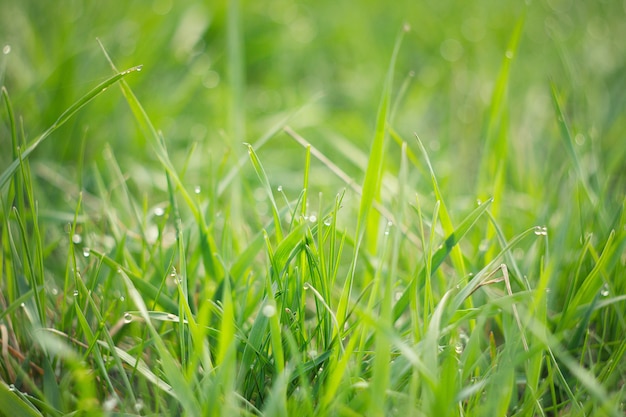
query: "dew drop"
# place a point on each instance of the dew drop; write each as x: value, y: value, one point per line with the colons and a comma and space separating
x: 86, y: 252
x: 119, y: 270
x: 171, y: 316
x: 138, y: 405
x: 75, y: 293
x: 122, y: 298
x: 280, y: 188
x: 458, y: 348
x: 604, y: 291
x: 197, y: 189
x: 6, y: 50
x: 12, y: 387
x: 541, y: 231
x: 128, y: 317
x: 312, y: 218
x: 77, y: 238
x: 328, y: 221
x: 509, y: 54
x: 269, y: 310
x: 159, y: 211
x: 109, y: 404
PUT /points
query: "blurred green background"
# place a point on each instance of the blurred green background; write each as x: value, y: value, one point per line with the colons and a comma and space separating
x: 327, y: 58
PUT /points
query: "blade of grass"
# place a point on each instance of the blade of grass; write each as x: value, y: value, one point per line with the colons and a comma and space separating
x: 258, y: 167
x: 441, y: 254
x: 182, y: 390
x: 371, y: 185
x: 446, y: 221
x: 568, y: 141
x: 12, y: 405
x: 64, y: 117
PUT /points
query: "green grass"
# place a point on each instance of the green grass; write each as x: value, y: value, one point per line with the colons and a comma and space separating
x: 312, y: 209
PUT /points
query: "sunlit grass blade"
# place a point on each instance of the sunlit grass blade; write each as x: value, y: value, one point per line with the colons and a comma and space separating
x: 181, y: 388
x: 64, y: 117
x: 153, y: 137
x: 371, y: 184
x: 446, y: 221
x: 568, y: 141
x: 442, y: 253
x: 268, y: 189
x: 495, y: 150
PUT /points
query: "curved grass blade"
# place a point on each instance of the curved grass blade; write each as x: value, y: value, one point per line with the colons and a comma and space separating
x: 437, y: 259
x: 64, y: 117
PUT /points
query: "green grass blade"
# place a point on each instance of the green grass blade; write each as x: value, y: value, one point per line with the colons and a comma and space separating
x: 258, y: 167
x: 568, y: 141
x: 12, y: 405
x: 442, y: 253
x: 180, y: 386
x: 64, y: 117
x: 371, y: 183
x: 446, y: 221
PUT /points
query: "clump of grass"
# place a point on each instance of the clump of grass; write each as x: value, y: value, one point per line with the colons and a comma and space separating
x: 380, y: 299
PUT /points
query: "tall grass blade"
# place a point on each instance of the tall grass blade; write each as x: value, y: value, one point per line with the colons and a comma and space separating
x: 371, y: 184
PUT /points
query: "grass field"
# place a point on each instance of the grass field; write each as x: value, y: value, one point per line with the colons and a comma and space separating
x: 313, y: 208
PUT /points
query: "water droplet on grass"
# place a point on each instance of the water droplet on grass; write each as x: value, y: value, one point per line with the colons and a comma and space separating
x: 128, y: 317
x: 138, y: 405
x: 279, y: 188
x: 86, y: 252
x: 312, y: 218
x: 159, y: 211
x: 269, y: 310
x: 197, y: 189
x: 76, y: 238
x: 6, y: 50
x: 328, y: 221
x: 109, y: 404
x: 75, y: 293
x: 605, y: 291
x: 541, y: 231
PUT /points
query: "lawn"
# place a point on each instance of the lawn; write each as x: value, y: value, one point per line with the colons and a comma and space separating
x: 313, y: 208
